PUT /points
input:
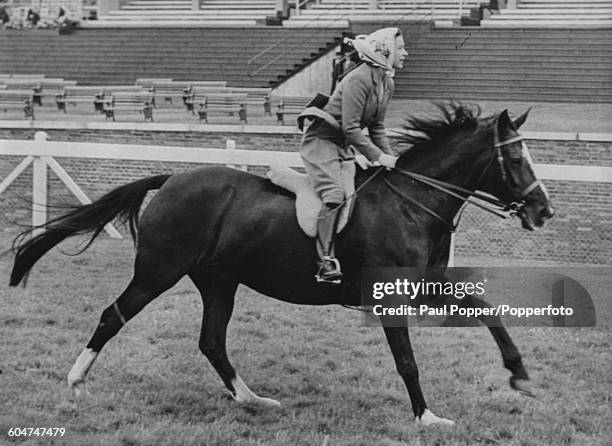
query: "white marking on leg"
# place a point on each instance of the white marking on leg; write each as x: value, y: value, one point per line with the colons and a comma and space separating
x: 428, y: 418
x: 79, y: 370
x: 245, y: 395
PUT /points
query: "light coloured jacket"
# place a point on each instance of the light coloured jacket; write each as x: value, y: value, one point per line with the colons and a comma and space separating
x: 360, y: 100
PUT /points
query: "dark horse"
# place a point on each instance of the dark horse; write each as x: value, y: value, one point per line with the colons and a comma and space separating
x: 223, y: 227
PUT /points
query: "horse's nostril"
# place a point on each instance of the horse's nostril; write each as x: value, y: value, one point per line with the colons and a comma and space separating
x: 547, y: 212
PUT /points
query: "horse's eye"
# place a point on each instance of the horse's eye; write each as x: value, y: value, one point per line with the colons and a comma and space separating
x: 516, y: 161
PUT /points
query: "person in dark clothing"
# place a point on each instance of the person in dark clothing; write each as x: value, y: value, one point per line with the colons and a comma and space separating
x: 4, y: 16
x: 66, y: 26
x: 32, y: 18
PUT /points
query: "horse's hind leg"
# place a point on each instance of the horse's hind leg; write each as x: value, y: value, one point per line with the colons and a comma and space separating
x: 141, y: 290
x: 218, y: 297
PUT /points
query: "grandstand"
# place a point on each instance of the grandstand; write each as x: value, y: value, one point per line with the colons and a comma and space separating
x: 247, y: 57
x: 209, y: 13
x: 351, y: 11
x: 508, y: 64
x: 539, y: 58
x: 144, y: 59
x: 553, y: 13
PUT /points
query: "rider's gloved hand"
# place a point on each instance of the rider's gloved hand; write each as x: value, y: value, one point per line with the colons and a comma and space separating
x: 387, y: 161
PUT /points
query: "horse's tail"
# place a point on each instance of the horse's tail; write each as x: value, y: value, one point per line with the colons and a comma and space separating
x: 123, y: 202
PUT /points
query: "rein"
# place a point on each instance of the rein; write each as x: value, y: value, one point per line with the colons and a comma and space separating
x: 502, y: 208
x: 457, y: 192
x: 464, y: 194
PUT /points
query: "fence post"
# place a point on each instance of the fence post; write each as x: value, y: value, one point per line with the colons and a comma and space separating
x: 39, y: 187
x: 230, y: 144
x: 451, y: 251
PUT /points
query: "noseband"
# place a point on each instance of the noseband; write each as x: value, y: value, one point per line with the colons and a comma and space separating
x: 502, y: 167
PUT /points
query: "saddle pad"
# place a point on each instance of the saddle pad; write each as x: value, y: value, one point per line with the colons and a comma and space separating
x: 307, y: 202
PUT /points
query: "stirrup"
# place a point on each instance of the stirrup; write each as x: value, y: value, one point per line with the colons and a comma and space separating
x: 329, y: 271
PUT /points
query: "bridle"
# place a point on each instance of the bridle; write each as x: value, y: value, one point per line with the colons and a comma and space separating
x: 502, y: 209
x: 500, y: 160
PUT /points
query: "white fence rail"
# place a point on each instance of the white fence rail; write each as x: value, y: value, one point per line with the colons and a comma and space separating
x: 42, y: 153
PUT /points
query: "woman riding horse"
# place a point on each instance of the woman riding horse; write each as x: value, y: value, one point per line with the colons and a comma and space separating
x: 244, y: 231
x: 359, y: 100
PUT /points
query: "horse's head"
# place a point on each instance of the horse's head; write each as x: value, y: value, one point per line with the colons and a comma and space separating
x: 510, y: 176
x: 487, y: 154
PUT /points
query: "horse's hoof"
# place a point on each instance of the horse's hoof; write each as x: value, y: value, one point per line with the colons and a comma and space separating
x: 67, y: 408
x: 429, y: 419
x: 267, y: 402
x: 259, y: 401
x: 243, y: 394
x: 78, y: 389
x: 522, y: 386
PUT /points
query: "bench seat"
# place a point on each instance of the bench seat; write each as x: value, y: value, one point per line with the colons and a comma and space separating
x: 74, y: 95
x: 18, y: 99
x: 141, y: 102
x: 170, y: 94
x: 148, y: 83
x: 260, y: 97
x: 31, y: 84
x: 291, y: 105
x: 225, y: 104
x: 197, y: 95
x: 52, y: 87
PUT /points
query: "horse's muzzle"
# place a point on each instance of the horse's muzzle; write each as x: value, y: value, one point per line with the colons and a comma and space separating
x: 547, y: 213
x: 532, y: 219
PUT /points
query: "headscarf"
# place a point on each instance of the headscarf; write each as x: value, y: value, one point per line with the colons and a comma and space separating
x: 377, y: 49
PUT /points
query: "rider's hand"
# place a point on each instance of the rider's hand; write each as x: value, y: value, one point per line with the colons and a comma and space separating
x: 387, y: 161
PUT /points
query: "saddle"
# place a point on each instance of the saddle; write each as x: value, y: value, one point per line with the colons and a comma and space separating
x: 307, y: 202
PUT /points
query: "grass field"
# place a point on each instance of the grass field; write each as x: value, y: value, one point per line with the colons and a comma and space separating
x: 334, y: 377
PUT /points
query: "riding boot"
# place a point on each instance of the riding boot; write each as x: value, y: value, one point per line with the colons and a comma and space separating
x: 329, y: 267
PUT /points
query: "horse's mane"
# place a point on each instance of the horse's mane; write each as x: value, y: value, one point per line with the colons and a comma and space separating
x: 422, y: 132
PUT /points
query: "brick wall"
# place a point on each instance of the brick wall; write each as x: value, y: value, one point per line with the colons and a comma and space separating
x: 579, y: 233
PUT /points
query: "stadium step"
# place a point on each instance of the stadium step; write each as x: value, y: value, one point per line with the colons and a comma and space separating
x: 249, y: 56
x: 546, y: 23
x: 552, y: 13
x: 520, y: 64
x: 514, y: 64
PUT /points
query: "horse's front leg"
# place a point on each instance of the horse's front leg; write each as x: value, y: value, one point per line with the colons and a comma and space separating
x: 399, y: 341
x: 512, y: 358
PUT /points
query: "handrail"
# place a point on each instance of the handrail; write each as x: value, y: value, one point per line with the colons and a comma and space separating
x: 318, y: 17
x: 271, y: 47
x: 300, y: 3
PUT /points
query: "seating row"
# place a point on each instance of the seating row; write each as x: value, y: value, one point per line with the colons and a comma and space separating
x: 40, y: 86
x: 202, y: 100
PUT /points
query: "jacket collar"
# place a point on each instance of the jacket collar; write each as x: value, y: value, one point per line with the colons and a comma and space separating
x: 378, y: 75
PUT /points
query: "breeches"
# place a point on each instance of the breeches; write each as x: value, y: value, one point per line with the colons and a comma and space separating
x: 323, y: 158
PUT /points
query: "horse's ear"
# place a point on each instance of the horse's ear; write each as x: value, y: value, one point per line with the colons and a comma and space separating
x: 503, y: 120
x: 518, y: 122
